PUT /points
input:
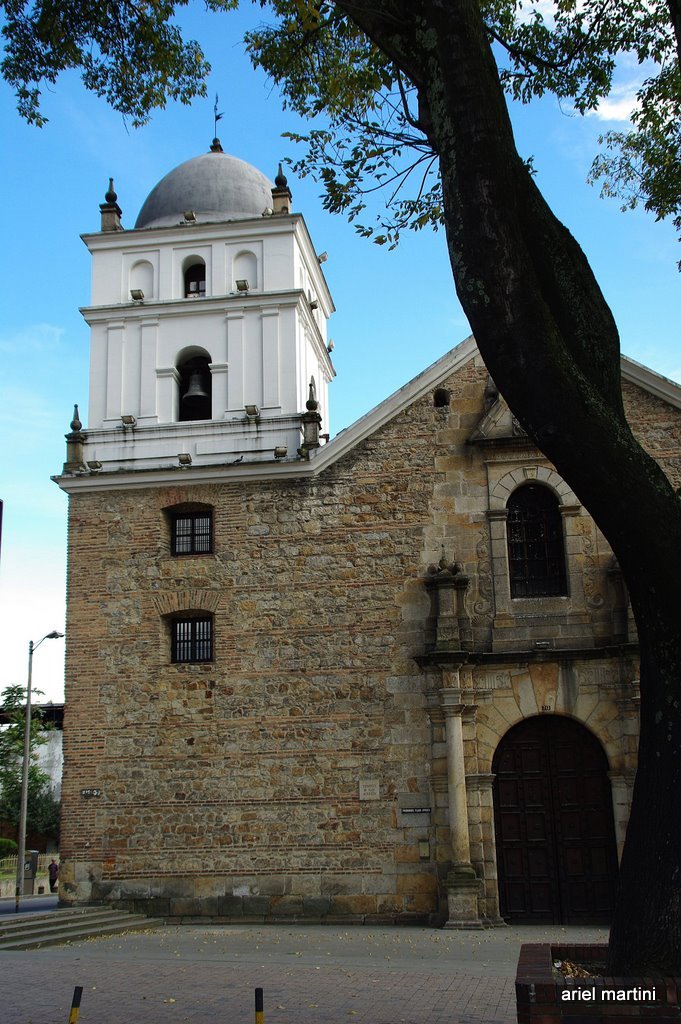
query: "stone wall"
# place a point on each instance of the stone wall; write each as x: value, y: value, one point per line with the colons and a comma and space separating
x: 238, y: 786
x: 303, y: 772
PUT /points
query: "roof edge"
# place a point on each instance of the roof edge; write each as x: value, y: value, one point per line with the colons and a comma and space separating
x: 651, y: 381
x: 386, y: 410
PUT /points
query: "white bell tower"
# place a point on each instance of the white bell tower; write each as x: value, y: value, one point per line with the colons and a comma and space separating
x: 208, y: 323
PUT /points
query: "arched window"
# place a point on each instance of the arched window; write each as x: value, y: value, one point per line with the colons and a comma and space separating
x: 196, y: 401
x: 536, y: 553
x: 195, y: 279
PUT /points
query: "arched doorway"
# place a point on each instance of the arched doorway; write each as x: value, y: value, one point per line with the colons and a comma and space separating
x: 556, y: 853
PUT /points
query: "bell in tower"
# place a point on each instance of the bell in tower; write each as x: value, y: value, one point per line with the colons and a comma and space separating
x: 195, y: 390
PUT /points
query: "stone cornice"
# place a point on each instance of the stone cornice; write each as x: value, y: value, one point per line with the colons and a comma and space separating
x: 497, y: 658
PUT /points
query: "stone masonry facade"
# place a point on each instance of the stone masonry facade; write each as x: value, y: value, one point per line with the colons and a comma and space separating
x: 320, y: 765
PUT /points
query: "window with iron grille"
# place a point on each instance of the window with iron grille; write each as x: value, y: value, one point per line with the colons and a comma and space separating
x: 192, y: 639
x: 536, y: 552
x: 192, y: 533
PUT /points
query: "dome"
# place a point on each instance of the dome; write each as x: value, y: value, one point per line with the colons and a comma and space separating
x: 216, y: 186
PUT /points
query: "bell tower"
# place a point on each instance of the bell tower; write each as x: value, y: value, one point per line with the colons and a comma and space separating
x: 208, y: 323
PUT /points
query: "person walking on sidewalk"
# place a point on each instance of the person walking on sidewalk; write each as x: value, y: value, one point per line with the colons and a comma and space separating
x: 53, y: 874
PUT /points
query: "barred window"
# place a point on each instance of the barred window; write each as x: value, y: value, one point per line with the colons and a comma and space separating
x: 192, y: 639
x: 536, y: 554
x: 192, y: 533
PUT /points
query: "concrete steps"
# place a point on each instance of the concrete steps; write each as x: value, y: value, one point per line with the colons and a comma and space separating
x: 31, y: 931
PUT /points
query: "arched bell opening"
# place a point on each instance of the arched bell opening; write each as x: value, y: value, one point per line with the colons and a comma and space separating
x: 196, y: 400
x: 194, y: 278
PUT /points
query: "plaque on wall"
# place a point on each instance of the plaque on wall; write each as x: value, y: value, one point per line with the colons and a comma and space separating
x: 414, y: 810
x: 369, y: 789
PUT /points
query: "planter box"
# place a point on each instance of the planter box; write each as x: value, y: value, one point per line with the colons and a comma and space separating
x: 545, y: 996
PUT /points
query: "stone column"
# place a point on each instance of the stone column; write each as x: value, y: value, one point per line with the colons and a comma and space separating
x: 463, y: 885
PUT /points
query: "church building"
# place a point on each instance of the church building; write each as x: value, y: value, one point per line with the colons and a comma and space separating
x: 386, y: 676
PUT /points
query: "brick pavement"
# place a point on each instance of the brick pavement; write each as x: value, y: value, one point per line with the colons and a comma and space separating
x: 313, y: 975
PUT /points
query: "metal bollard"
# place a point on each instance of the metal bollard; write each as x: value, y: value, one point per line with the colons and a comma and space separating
x: 259, y: 1015
x: 75, y: 1004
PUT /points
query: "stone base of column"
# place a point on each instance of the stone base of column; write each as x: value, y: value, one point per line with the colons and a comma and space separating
x: 463, y: 889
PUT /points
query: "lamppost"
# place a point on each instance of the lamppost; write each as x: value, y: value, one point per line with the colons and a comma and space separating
x: 21, y: 856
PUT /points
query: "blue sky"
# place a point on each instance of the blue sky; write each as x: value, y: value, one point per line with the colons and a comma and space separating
x: 396, y: 312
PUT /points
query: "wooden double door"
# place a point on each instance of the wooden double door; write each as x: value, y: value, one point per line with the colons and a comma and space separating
x: 556, y: 852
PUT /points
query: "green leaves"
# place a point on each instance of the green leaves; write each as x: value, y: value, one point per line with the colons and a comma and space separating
x: 642, y: 165
x: 371, y: 141
x: 128, y: 52
x: 368, y: 141
x: 43, y: 809
x: 368, y: 136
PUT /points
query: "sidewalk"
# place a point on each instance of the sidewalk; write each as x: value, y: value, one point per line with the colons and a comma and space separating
x: 195, y: 974
x: 29, y: 904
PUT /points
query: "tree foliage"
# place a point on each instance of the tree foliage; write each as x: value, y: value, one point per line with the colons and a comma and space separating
x: 130, y: 53
x: 42, y: 808
x: 134, y: 55
x: 376, y: 135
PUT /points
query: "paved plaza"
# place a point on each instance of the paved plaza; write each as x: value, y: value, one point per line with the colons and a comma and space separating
x: 194, y: 974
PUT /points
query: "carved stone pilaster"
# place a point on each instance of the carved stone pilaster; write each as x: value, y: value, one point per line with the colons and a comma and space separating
x: 447, y: 588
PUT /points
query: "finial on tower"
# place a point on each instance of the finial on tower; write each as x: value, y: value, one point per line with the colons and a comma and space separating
x: 281, y: 194
x: 312, y: 403
x: 75, y: 446
x: 311, y: 422
x: 110, y: 210
x: 281, y: 181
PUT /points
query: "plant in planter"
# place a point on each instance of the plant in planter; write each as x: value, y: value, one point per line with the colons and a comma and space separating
x: 546, y: 995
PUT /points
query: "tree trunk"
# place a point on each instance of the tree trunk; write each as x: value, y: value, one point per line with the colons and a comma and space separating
x: 551, y: 345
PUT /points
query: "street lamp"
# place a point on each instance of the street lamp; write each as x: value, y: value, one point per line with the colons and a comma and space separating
x: 21, y: 856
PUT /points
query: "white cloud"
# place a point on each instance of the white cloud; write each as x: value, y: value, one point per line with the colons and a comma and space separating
x: 619, y: 105
x: 35, y: 338
x: 22, y: 407
x: 32, y: 605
